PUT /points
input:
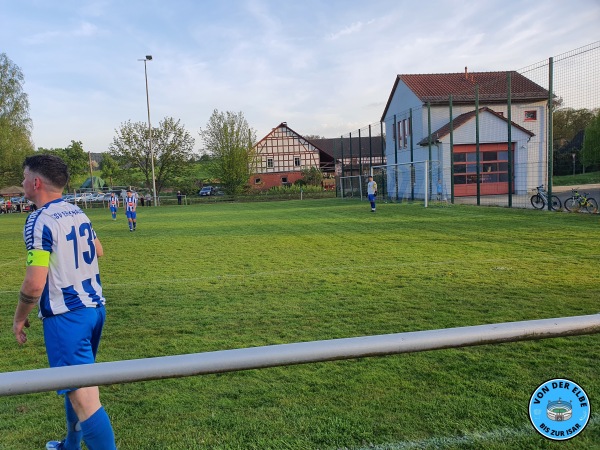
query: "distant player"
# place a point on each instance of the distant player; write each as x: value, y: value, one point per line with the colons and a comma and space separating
x: 113, y: 204
x: 130, y: 209
x: 372, y: 192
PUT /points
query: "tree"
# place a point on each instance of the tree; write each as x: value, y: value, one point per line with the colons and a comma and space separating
x: 15, y: 123
x: 312, y: 176
x: 311, y: 137
x: 75, y: 158
x: 567, y: 122
x: 590, y: 153
x: 229, y: 140
x: 568, y: 127
x: 109, y: 168
x: 172, y: 146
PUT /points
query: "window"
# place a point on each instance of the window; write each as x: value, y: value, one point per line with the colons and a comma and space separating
x: 270, y: 163
x: 257, y: 181
x: 530, y: 116
x: 405, y: 132
x: 284, y: 179
x: 493, y: 167
x: 296, y: 161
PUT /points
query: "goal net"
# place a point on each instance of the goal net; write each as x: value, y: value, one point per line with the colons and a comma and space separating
x: 352, y: 187
x: 419, y: 181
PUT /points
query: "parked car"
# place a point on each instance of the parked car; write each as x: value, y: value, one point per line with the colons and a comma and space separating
x: 207, y: 190
x: 97, y: 197
x: 20, y: 204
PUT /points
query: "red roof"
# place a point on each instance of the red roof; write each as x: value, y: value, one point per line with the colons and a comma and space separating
x: 493, y: 87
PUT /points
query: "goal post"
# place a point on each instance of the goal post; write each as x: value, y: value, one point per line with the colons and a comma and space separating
x: 417, y: 181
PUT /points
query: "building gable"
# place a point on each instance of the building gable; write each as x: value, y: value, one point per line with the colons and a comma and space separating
x: 284, y: 150
x: 463, y: 119
x: 493, y: 88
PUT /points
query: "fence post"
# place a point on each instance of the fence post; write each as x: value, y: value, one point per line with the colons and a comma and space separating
x: 370, y: 152
x: 510, y: 150
x: 360, y: 161
x: 342, y: 154
x: 451, y: 149
x: 395, y: 135
x: 350, y: 150
x: 477, y: 156
x: 427, y: 186
x: 383, y: 157
x: 412, y: 155
x: 550, y: 130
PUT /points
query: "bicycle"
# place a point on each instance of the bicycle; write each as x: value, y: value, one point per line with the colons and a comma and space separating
x: 540, y: 200
x: 581, y: 202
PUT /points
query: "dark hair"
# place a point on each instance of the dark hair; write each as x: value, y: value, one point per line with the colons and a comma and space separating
x: 50, y: 167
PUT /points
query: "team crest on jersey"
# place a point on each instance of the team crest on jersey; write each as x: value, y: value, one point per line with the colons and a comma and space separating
x: 559, y: 409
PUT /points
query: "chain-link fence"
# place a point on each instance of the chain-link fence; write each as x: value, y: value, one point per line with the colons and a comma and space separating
x: 496, y: 135
x: 355, y: 154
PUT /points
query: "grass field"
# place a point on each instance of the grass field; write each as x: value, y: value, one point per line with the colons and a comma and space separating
x: 577, y: 180
x: 232, y: 275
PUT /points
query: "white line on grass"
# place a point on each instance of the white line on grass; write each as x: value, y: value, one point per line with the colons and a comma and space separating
x: 500, y: 435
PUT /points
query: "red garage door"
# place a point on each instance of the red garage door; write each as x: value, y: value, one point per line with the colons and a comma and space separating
x: 493, y: 169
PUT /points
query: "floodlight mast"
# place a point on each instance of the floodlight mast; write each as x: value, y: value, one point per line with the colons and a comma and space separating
x: 149, y: 58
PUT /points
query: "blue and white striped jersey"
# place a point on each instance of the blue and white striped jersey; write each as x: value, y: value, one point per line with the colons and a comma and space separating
x: 130, y: 203
x: 73, y: 279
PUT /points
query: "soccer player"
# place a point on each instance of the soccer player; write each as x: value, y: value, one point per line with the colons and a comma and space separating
x: 130, y: 207
x: 62, y: 278
x: 113, y: 204
x: 372, y: 192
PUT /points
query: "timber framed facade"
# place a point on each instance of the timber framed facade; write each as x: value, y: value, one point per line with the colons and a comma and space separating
x: 282, y: 155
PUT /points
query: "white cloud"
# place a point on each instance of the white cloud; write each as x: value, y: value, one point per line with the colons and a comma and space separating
x: 324, y: 67
x: 351, y: 29
x: 81, y: 30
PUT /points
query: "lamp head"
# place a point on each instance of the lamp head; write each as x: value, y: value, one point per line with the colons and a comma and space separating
x: 149, y: 57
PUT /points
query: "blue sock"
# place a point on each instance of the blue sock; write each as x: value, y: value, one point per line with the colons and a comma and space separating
x: 97, y: 432
x: 74, y: 433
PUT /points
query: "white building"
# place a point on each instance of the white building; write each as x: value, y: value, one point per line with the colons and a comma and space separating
x: 411, y: 141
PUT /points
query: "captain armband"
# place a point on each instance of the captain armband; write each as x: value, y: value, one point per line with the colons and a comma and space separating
x: 38, y: 258
x: 28, y: 299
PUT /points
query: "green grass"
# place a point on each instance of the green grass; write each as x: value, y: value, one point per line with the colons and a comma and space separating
x: 218, y: 276
x: 579, y: 179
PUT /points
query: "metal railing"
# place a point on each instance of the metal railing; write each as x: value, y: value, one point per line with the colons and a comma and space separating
x: 41, y: 380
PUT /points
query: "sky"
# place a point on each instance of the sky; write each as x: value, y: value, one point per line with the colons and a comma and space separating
x: 326, y: 67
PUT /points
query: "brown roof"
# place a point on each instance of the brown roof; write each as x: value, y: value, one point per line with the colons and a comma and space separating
x: 461, y: 120
x: 493, y: 88
x: 346, y: 147
x: 332, y: 149
x: 11, y: 191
